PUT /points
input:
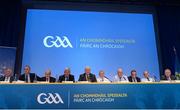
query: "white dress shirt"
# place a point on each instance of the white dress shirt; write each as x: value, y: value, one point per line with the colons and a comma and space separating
x: 7, y: 79
x: 28, y: 78
x: 124, y: 78
x: 48, y: 79
x: 104, y: 79
x: 147, y: 79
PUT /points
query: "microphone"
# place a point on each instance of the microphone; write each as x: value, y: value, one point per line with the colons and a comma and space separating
x: 107, y: 78
x: 124, y: 78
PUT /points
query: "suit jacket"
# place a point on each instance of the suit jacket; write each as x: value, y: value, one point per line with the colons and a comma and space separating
x: 131, y: 79
x: 92, y: 77
x: 3, y: 78
x: 163, y: 77
x: 62, y: 78
x: 32, y: 77
x: 52, y: 79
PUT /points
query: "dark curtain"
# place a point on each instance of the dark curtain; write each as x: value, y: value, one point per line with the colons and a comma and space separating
x: 169, y: 34
x: 9, y: 22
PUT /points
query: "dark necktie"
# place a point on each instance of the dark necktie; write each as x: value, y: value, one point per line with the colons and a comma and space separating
x: 66, y: 79
x: 148, y: 79
x: 120, y: 78
x: 47, y: 79
x: 26, y: 78
x: 88, y: 78
x: 102, y: 79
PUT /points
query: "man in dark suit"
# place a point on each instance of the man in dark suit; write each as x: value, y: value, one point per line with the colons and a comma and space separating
x: 8, y: 76
x: 167, y: 75
x: 48, y: 77
x: 67, y: 76
x: 27, y: 76
x: 133, y: 77
x: 87, y: 76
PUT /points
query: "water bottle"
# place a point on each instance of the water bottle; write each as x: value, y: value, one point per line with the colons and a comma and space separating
x: 57, y: 78
x: 35, y: 78
x: 15, y: 77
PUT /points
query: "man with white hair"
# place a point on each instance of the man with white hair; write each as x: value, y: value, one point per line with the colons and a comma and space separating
x: 8, y: 76
x: 67, y: 76
x: 120, y: 77
x: 87, y: 76
x: 146, y: 77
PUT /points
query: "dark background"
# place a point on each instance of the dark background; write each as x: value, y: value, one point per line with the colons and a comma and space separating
x: 168, y: 19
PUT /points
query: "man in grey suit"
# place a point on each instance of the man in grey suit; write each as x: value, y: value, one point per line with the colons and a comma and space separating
x: 167, y: 75
x: 8, y: 76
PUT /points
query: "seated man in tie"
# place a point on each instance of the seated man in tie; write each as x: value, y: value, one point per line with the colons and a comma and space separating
x: 120, y: 77
x: 133, y: 77
x: 8, y: 76
x: 67, y: 76
x: 28, y: 77
x: 87, y: 76
x: 48, y: 78
x: 167, y: 75
x: 147, y: 78
x: 102, y: 77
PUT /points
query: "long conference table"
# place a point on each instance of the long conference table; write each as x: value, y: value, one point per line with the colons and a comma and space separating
x: 89, y: 95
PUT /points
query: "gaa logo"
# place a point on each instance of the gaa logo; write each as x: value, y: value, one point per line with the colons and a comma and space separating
x: 50, y: 41
x: 49, y: 98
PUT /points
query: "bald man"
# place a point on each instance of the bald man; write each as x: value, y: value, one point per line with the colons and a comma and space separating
x: 102, y: 77
x: 48, y: 78
x: 120, y: 77
x: 168, y: 75
x: 67, y: 76
x: 87, y: 76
